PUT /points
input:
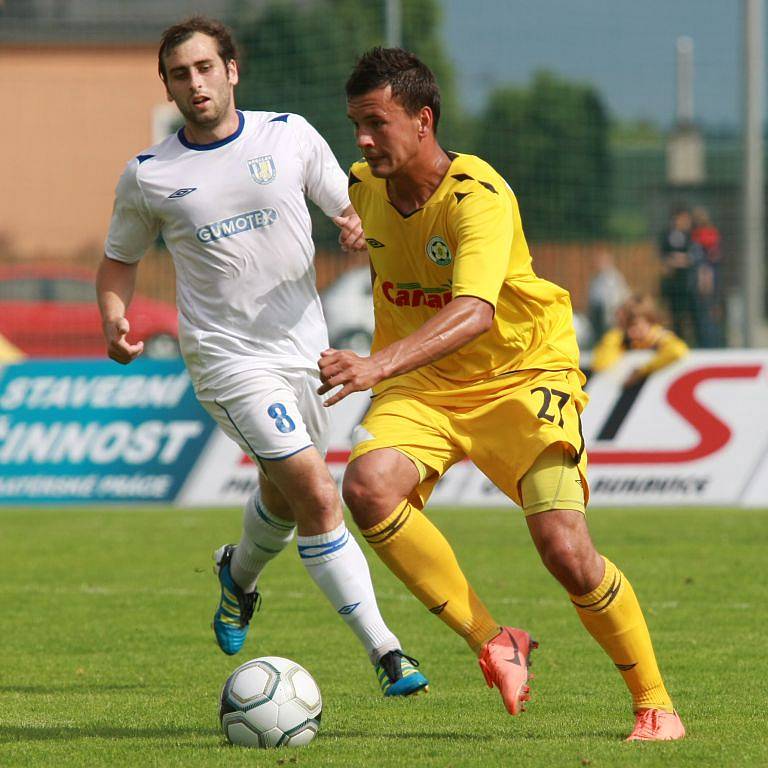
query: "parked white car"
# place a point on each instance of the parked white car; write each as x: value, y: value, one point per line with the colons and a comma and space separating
x: 348, y: 308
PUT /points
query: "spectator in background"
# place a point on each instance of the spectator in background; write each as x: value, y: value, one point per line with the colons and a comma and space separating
x: 638, y: 327
x: 608, y: 290
x: 709, y: 289
x: 678, y: 276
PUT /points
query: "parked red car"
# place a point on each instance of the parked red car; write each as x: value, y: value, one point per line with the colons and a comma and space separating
x: 50, y: 311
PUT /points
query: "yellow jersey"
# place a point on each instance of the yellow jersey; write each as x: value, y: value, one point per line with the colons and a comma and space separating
x: 668, y: 347
x: 466, y: 240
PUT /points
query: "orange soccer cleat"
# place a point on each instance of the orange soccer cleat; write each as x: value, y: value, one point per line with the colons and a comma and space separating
x: 657, y: 725
x: 505, y: 661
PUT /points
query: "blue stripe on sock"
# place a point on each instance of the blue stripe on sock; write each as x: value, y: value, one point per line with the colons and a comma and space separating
x: 270, y: 521
x: 324, y: 549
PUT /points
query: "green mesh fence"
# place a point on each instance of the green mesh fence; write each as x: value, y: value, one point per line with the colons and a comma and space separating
x: 597, y: 189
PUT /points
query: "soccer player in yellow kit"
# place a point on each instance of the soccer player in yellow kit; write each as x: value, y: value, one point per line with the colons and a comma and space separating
x: 473, y: 356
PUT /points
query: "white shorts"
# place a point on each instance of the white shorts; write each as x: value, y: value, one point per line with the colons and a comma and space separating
x: 270, y: 414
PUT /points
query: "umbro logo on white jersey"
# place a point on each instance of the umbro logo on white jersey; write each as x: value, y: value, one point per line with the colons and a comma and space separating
x: 183, y: 192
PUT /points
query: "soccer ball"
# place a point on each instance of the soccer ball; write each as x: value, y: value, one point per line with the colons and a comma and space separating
x: 270, y: 702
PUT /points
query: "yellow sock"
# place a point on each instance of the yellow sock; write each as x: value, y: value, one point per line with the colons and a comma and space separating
x: 421, y: 557
x: 612, y: 615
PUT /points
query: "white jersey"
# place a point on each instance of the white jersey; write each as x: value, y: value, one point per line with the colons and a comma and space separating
x: 234, y: 217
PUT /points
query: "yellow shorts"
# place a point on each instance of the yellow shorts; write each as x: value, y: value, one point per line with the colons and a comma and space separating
x: 504, y: 437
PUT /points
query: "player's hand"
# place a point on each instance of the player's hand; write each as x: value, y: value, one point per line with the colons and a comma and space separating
x: 118, y: 346
x: 346, y: 369
x: 351, y: 237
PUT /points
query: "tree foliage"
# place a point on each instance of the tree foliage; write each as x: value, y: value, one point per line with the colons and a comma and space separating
x: 297, y: 57
x: 551, y: 142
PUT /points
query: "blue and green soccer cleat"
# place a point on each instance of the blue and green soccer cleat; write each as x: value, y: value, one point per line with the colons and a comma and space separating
x: 230, y: 622
x: 398, y: 675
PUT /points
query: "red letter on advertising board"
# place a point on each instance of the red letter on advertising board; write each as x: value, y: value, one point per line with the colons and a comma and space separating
x: 713, y: 433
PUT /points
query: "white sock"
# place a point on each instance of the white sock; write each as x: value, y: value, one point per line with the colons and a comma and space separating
x: 337, y: 565
x: 264, y: 537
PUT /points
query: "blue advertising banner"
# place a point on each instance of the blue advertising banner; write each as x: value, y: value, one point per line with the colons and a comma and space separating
x: 77, y: 430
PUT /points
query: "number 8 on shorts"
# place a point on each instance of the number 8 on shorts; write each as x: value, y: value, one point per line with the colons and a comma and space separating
x: 283, y: 421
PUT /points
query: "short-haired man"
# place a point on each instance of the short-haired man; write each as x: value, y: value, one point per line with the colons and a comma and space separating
x: 227, y: 192
x: 473, y: 356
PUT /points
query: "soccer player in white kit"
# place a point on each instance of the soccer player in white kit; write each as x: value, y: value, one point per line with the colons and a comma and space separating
x: 227, y: 193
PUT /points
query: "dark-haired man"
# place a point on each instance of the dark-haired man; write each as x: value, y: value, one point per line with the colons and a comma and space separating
x: 473, y: 356
x: 227, y: 192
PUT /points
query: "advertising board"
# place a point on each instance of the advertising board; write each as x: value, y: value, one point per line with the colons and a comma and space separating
x: 695, y: 433
x: 76, y: 431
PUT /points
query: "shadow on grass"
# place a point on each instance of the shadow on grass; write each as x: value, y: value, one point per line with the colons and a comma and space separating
x: 427, y: 735
x: 40, y: 733
x: 91, y: 688
x: 569, y: 734
x: 16, y: 734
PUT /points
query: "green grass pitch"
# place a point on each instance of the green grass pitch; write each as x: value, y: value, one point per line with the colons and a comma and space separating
x: 108, y: 658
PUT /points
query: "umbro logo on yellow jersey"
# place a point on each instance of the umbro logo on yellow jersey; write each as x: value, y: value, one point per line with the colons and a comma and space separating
x: 373, y: 242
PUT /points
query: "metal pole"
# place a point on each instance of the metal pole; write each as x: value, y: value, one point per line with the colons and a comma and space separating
x: 753, y: 268
x: 684, y: 81
x: 394, y: 23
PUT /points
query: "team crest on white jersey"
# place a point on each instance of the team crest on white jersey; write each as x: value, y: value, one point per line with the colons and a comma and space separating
x: 438, y: 251
x: 263, y: 170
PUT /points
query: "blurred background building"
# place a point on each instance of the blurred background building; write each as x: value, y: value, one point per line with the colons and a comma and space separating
x: 621, y: 132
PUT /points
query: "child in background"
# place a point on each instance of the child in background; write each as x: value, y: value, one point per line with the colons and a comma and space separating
x: 638, y: 327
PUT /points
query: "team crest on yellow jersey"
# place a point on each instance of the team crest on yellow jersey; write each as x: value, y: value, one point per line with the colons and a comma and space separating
x: 438, y: 251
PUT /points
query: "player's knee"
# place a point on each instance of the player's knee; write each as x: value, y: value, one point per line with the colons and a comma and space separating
x: 366, y: 499
x: 317, y: 506
x: 573, y: 567
x: 355, y: 492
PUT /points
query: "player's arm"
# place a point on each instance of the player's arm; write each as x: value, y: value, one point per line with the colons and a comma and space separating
x: 455, y: 325
x: 115, y: 283
x: 609, y: 350
x: 132, y: 229
x: 482, y: 225
x: 326, y: 184
x: 669, y: 349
